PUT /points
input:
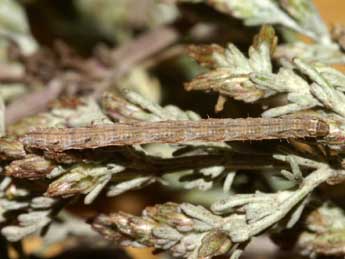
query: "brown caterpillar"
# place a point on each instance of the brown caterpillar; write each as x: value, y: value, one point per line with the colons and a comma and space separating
x: 207, y: 130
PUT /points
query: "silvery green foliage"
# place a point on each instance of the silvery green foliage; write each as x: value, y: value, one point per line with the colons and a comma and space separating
x: 33, y: 213
x: 185, y: 230
x: 154, y: 112
x: 301, y: 94
x: 298, y: 15
x: 231, y: 69
x: 14, y: 26
x: 68, y: 225
x: 192, y: 232
x: 321, y: 231
x: 251, y: 78
x: 29, y: 223
x: 258, y: 12
x: 6, y: 204
x: 307, y: 16
x: 327, y: 54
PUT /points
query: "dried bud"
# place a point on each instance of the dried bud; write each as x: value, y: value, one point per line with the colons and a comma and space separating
x: 136, y: 227
x: 103, y: 225
x: 69, y: 185
x: 214, y: 243
x: 68, y: 103
x: 11, y: 149
x: 170, y: 214
x: 338, y: 34
x: 79, y: 180
x: 338, y: 177
x: 31, y: 167
x: 326, y: 244
x: 25, y: 125
x: 266, y: 35
x: 204, y: 54
x: 119, y: 109
x: 221, y: 80
x: 117, y: 226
